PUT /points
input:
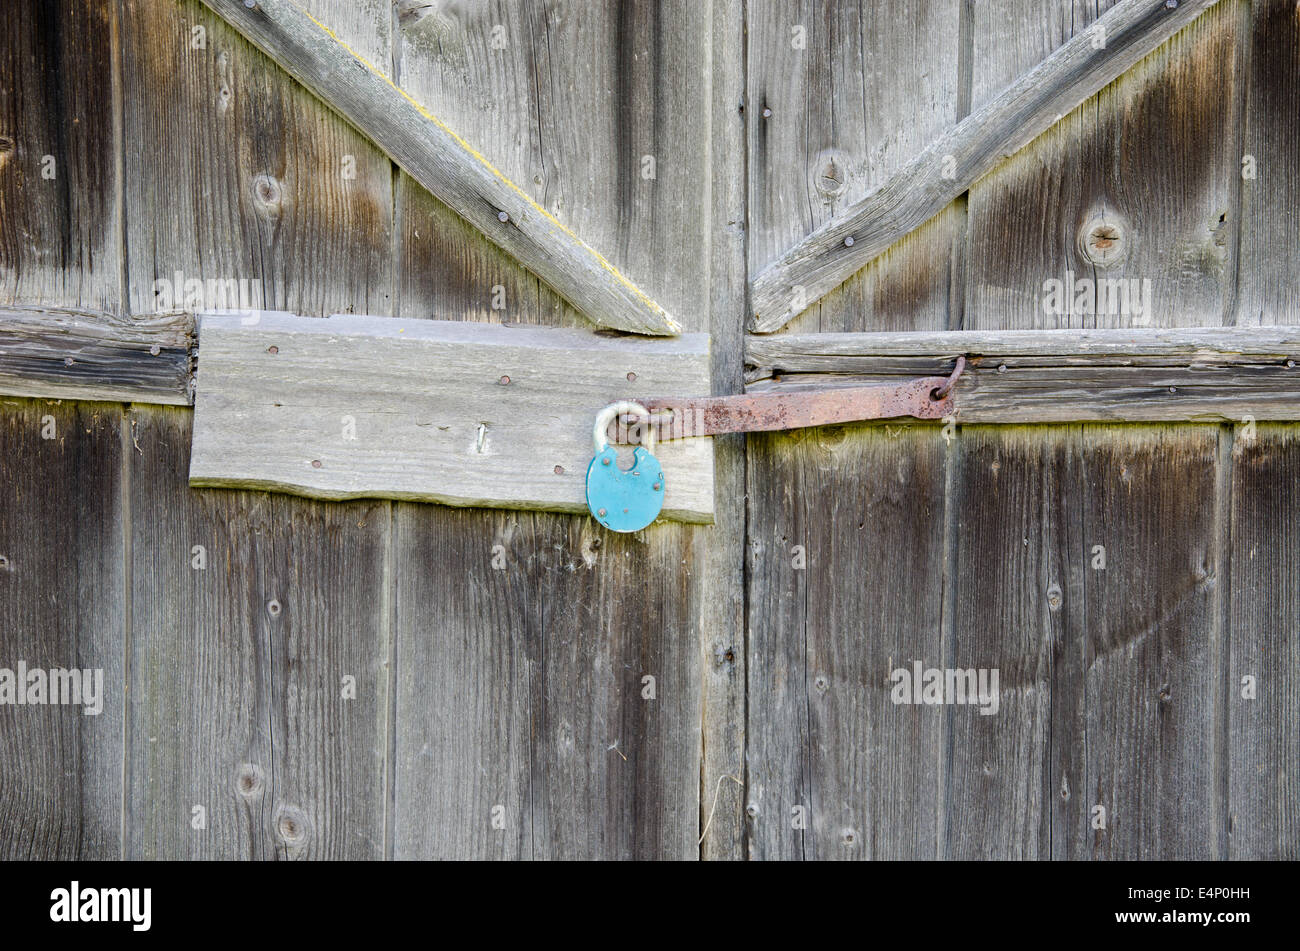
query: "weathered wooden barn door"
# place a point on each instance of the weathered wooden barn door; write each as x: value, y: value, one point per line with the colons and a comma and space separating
x: 288, y: 678
x: 366, y: 679
x: 1115, y: 575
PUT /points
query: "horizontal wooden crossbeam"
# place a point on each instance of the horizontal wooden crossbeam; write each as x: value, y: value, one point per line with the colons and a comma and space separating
x: 444, y: 163
x: 955, y: 161
x: 83, y: 355
x: 1058, y: 376
x: 431, y: 410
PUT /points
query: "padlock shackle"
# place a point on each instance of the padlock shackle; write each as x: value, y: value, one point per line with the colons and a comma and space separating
x: 611, y: 412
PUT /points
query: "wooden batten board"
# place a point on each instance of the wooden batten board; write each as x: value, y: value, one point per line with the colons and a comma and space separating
x: 459, y: 413
x: 72, y: 354
x: 1056, y: 376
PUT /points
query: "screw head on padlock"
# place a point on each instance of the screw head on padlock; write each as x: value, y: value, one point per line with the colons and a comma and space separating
x: 624, y: 500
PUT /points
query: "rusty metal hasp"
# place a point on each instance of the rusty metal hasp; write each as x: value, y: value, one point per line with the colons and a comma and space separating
x: 922, y: 398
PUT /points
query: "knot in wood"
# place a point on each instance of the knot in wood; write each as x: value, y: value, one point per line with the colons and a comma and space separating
x: 250, y: 781
x: 1103, y: 240
x: 268, y: 196
x: 291, y: 826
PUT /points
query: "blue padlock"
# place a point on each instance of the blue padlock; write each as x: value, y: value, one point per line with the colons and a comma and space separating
x: 624, y: 500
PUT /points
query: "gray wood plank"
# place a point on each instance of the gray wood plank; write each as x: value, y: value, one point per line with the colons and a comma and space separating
x: 451, y: 167
x: 343, y: 408
x: 722, y: 771
x: 845, y: 572
x: 76, y: 354
x: 59, y: 220
x: 1262, y: 747
x: 929, y: 182
x: 1269, y: 164
x: 1113, y: 192
x: 1016, y: 579
x: 828, y: 124
x: 1200, y: 393
x: 567, y: 108
x: 61, y: 512
x: 256, y: 198
x: 239, y: 667
x: 256, y: 190
x: 61, y: 583
x: 1150, y: 651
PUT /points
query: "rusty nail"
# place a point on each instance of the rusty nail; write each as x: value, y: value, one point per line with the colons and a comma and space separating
x: 600, y: 512
x: 605, y: 460
x: 657, y: 486
x: 315, y: 463
x: 273, y: 349
x: 559, y: 470
x: 504, y: 381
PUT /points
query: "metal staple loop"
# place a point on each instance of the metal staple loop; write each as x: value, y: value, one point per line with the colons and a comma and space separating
x: 940, y: 392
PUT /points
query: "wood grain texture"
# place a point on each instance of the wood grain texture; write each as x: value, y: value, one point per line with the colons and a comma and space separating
x: 238, y: 666
x: 1269, y: 164
x: 61, y: 581
x: 343, y: 408
x: 845, y: 562
x: 840, y: 97
x: 1200, y: 393
x: 1014, y: 571
x: 848, y: 352
x: 722, y: 622
x: 927, y: 183
x: 827, y: 124
x: 1112, y: 193
x: 1262, y: 751
x: 1146, y: 688
x: 567, y: 108
x: 234, y: 708
x: 252, y: 194
x: 95, y: 356
x: 1050, y: 376
x: 452, y: 168
x: 59, y: 224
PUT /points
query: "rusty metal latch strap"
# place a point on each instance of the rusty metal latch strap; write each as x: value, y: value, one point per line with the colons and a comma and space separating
x: 928, y: 397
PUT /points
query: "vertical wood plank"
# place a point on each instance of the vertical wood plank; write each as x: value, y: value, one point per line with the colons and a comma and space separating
x: 569, y: 103
x: 1016, y: 590
x: 61, y: 511
x: 238, y: 666
x: 59, y: 242
x: 239, y: 177
x: 827, y: 123
x: 1269, y: 165
x: 61, y: 583
x: 722, y: 771
x: 258, y: 182
x: 840, y: 95
x: 845, y: 573
x: 1151, y: 655
x: 1113, y: 192
x: 1263, y: 751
